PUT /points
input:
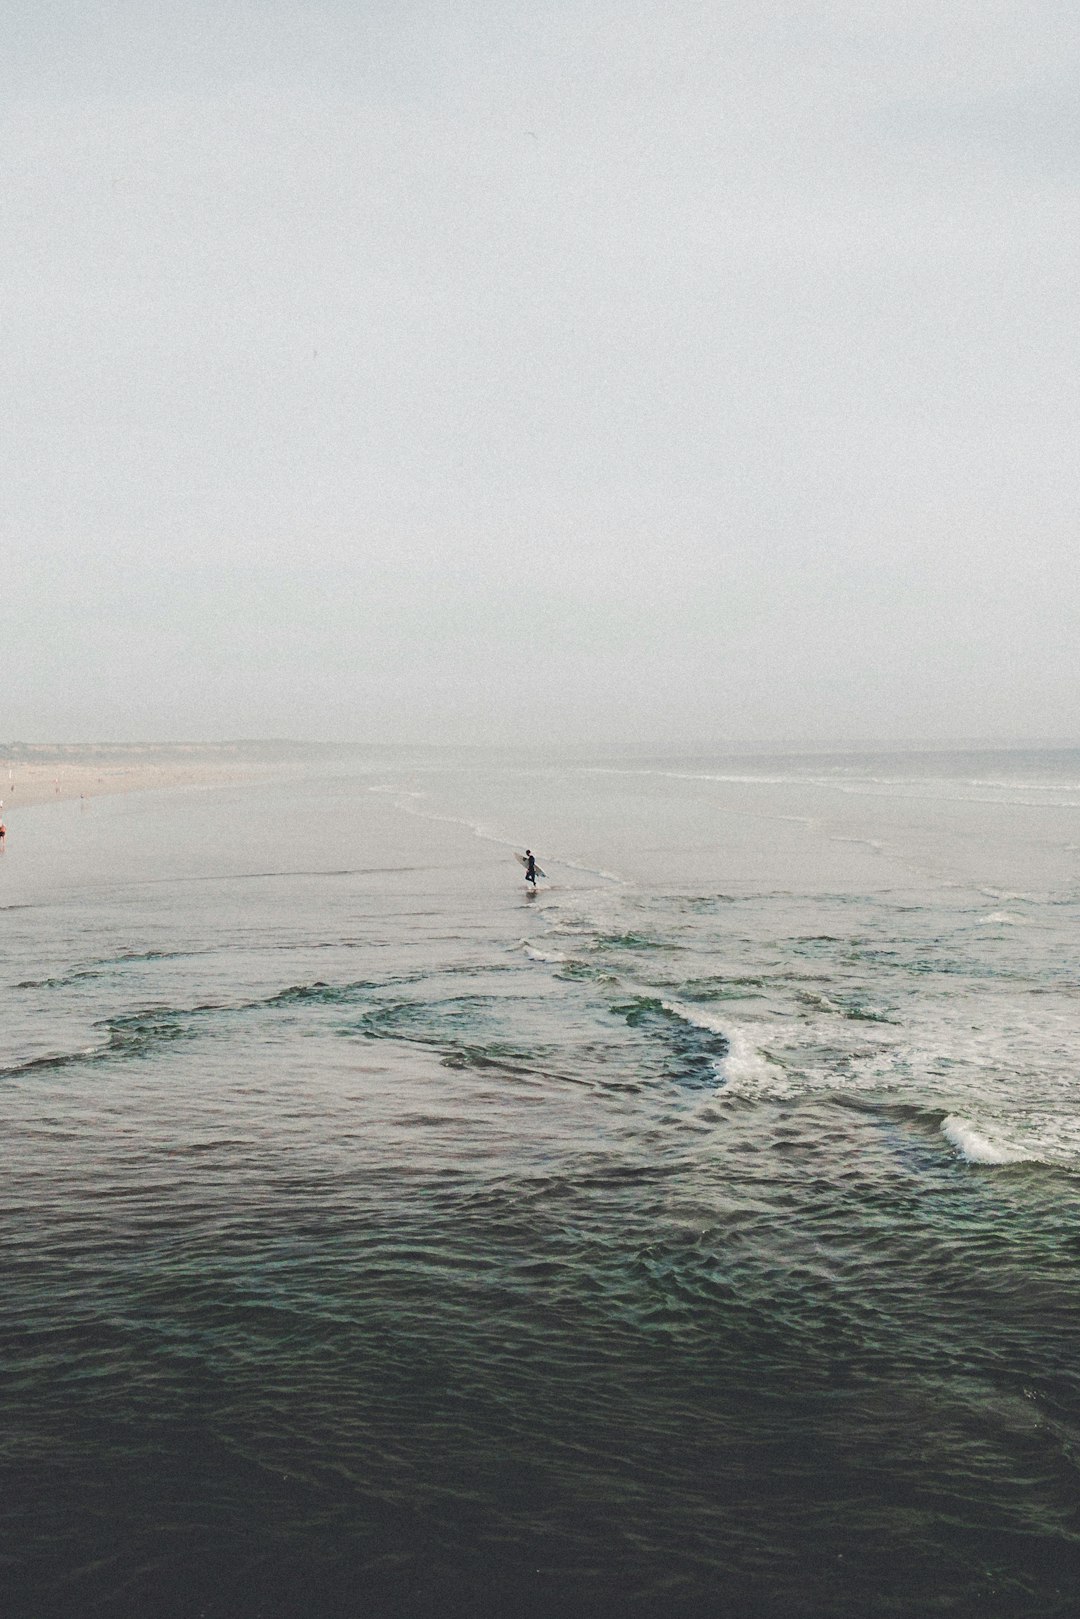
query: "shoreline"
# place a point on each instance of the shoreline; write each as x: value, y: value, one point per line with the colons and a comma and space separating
x: 41, y: 784
x: 31, y: 776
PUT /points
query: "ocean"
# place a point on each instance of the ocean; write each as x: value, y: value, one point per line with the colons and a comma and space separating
x: 697, y: 1236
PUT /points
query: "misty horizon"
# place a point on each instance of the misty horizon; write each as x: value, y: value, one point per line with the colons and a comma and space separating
x: 300, y: 748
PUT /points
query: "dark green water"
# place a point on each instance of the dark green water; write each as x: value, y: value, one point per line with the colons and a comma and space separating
x: 377, y: 1239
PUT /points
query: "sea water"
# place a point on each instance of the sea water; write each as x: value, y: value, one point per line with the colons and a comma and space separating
x: 699, y: 1235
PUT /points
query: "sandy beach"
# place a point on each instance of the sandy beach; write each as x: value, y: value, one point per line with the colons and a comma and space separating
x: 33, y: 773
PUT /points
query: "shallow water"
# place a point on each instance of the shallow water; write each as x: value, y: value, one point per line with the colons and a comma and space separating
x: 697, y: 1236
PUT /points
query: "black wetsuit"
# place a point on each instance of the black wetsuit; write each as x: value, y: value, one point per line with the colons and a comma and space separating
x: 530, y: 870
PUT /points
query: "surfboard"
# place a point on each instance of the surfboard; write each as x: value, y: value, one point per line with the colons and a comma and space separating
x: 524, y: 862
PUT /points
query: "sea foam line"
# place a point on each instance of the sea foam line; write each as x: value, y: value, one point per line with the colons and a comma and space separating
x: 487, y: 834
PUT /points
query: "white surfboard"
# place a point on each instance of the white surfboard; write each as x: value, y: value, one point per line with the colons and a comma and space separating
x: 524, y: 862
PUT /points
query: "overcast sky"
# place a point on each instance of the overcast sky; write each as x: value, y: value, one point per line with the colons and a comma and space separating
x: 619, y: 370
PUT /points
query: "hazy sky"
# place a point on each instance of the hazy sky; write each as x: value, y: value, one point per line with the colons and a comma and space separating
x: 651, y: 370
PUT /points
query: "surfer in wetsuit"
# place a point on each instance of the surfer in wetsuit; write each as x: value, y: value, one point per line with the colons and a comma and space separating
x: 530, y: 867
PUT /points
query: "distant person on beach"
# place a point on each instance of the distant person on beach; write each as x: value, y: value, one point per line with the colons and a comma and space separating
x: 530, y: 867
x: 3, y: 834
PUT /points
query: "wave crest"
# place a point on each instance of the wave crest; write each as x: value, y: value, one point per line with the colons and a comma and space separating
x: 978, y: 1148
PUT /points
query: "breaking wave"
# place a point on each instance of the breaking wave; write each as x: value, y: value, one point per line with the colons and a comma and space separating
x: 977, y: 1147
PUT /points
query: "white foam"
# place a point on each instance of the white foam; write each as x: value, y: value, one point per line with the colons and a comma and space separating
x: 978, y: 1148
x: 695, y: 1016
x: 868, y: 785
x: 478, y: 828
x: 594, y: 871
x: 747, y: 1067
x: 744, y: 1065
x: 552, y: 957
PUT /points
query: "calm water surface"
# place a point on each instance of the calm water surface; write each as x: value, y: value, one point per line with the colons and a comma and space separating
x: 700, y: 1236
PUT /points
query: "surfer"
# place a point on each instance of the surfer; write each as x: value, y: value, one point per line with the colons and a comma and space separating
x: 530, y: 867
